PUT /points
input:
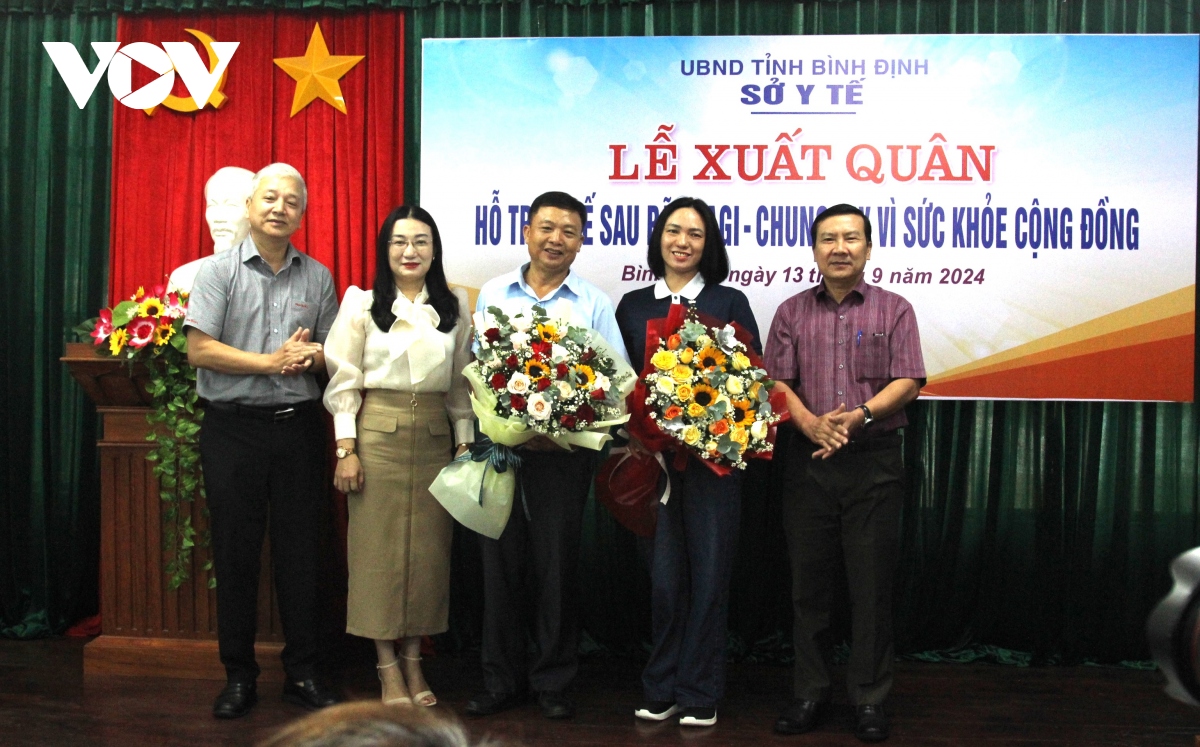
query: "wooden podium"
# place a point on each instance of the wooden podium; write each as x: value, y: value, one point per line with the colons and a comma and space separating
x: 146, y: 629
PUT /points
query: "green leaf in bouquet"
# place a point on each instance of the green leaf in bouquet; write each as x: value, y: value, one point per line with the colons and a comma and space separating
x: 579, y: 336
x: 498, y: 315
x: 725, y: 445
x: 83, y: 330
x: 692, y: 330
x: 123, y: 313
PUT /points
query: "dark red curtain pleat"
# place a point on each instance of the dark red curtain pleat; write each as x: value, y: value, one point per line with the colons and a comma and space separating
x: 353, y: 163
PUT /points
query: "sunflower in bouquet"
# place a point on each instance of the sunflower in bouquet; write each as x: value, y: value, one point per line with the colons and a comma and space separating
x: 706, y: 390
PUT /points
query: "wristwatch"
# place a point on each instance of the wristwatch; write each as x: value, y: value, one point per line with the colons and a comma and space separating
x: 868, y: 418
x: 342, y: 452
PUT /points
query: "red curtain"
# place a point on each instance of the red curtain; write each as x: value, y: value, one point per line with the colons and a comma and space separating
x: 352, y: 163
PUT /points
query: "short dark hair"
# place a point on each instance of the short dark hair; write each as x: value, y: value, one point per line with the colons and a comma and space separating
x: 840, y: 209
x: 560, y: 200
x: 440, y: 298
x: 714, y: 262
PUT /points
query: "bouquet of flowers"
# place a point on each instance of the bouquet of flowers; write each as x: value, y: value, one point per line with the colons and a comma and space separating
x: 141, y: 326
x: 704, y: 391
x: 537, y: 376
x: 533, y: 376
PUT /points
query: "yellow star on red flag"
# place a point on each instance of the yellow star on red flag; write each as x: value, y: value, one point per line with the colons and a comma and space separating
x: 317, y: 73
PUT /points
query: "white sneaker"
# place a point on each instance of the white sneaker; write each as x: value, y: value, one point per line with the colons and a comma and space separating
x: 698, y: 717
x: 656, y: 710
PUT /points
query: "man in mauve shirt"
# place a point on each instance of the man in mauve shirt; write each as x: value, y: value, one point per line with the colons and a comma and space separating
x: 849, y: 357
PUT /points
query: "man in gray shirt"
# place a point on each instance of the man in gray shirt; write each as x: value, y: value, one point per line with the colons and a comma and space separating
x: 256, y: 319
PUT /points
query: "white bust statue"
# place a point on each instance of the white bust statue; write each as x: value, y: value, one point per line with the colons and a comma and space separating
x: 225, y: 196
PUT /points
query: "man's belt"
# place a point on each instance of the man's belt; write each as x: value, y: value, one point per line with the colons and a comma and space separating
x: 882, y: 442
x: 269, y: 413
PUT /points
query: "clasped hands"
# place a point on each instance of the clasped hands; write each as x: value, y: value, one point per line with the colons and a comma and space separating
x: 832, y: 430
x: 296, y: 356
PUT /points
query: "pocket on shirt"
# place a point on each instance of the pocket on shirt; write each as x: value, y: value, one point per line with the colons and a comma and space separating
x: 872, y: 359
x: 439, y: 427
x: 302, y: 314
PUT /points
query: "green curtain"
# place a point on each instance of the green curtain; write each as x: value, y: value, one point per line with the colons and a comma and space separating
x: 54, y: 166
x: 1033, y: 531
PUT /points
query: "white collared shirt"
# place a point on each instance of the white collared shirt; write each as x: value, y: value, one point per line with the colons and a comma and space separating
x: 689, y: 291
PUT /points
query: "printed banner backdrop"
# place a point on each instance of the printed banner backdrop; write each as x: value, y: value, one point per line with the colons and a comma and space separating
x: 352, y: 162
x: 1034, y: 197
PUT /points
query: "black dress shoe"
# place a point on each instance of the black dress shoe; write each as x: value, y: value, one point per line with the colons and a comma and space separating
x: 800, y: 716
x: 486, y: 703
x: 309, y: 694
x: 236, y: 699
x: 555, y: 705
x: 872, y: 723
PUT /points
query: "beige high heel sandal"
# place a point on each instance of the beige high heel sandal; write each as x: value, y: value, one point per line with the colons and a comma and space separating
x: 393, y: 701
x: 421, y: 697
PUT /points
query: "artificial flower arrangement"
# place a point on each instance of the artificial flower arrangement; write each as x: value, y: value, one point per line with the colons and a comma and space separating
x: 533, y: 376
x: 147, y: 328
x: 704, y: 392
x: 143, y: 324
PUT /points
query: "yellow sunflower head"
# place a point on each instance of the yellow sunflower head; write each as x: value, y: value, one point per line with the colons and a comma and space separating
x: 163, y: 333
x: 710, y: 357
x: 548, y: 332
x: 704, y: 395
x: 117, y: 341
x: 536, y: 369
x: 583, y: 376
x: 743, y: 412
x: 151, y: 307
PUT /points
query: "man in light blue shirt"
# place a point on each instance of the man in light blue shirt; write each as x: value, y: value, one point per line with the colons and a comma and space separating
x: 570, y: 296
x: 540, y: 545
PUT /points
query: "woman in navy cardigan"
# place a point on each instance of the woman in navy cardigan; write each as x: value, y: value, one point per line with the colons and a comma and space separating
x: 692, y: 550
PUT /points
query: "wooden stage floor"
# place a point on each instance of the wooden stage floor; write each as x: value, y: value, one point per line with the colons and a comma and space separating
x: 45, y: 700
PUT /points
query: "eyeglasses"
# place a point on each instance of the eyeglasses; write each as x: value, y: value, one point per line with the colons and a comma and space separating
x: 401, y: 243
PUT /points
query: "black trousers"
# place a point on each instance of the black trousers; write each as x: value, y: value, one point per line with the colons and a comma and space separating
x: 530, y: 577
x: 259, y: 473
x: 843, y: 511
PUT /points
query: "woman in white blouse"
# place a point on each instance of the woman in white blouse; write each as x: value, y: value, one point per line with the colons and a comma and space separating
x: 395, y: 357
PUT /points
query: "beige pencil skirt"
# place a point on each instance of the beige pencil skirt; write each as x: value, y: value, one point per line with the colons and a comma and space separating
x: 398, y: 540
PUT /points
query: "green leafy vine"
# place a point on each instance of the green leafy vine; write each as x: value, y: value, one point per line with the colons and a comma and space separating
x: 176, y: 458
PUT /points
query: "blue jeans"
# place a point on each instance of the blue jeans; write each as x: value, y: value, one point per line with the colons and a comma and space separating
x: 690, y: 564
